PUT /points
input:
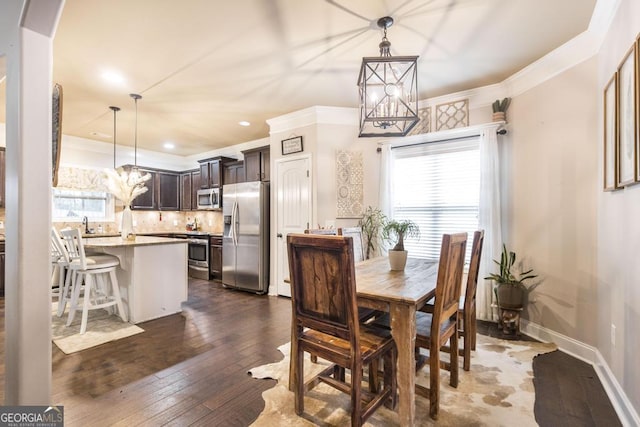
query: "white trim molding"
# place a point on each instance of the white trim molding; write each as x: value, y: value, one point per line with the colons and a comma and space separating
x: 591, y: 355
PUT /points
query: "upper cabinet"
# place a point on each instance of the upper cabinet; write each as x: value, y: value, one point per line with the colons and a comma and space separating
x: 233, y: 172
x: 163, y: 191
x: 256, y: 164
x: 189, y: 186
x: 168, y: 191
x: 211, y: 171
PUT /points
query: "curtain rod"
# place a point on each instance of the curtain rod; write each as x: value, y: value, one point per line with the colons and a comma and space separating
x: 499, y: 132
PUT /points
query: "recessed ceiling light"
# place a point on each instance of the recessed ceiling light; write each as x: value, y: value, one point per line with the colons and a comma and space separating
x: 113, y: 77
x: 244, y: 123
x: 169, y: 145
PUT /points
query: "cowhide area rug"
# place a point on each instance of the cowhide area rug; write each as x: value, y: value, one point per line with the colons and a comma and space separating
x: 497, y: 391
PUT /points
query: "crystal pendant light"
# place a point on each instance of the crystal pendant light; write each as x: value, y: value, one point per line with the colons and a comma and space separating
x: 388, y: 91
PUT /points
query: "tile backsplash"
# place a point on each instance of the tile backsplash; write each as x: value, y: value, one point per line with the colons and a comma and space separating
x: 157, y: 221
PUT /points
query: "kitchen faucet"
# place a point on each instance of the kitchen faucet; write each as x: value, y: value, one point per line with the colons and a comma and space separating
x: 85, y: 222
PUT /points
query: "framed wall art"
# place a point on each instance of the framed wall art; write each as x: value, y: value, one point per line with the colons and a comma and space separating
x: 627, y: 135
x: 638, y: 108
x: 56, y: 132
x: 610, y: 133
x: 291, y: 145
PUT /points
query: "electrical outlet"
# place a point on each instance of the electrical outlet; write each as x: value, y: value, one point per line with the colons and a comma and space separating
x: 210, y: 223
x: 175, y: 222
x: 134, y: 223
x: 613, y: 335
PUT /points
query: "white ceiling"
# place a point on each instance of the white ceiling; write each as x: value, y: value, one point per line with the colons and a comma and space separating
x: 204, y: 65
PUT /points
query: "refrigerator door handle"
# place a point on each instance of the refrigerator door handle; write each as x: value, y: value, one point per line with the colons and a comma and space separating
x: 234, y: 224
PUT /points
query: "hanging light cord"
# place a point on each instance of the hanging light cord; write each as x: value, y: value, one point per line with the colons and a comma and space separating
x: 115, y: 110
x: 135, y: 97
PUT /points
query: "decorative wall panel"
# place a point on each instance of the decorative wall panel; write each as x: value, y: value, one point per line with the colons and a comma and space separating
x: 452, y: 115
x: 424, y: 125
x: 349, y: 183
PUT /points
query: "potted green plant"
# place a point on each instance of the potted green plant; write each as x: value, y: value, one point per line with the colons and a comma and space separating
x: 371, y: 223
x: 500, y: 109
x: 396, y: 231
x: 510, y: 290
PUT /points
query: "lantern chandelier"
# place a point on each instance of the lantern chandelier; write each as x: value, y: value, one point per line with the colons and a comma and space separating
x: 388, y: 91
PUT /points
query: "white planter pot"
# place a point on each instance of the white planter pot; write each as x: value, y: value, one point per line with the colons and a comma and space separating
x: 397, y: 260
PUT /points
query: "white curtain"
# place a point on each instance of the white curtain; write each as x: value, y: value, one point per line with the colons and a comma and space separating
x: 489, y: 220
x: 384, y: 195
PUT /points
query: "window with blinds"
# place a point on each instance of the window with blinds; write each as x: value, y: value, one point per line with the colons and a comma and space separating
x: 437, y: 185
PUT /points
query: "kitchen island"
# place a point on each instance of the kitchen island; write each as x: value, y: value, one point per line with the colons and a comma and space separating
x: 152, y: 275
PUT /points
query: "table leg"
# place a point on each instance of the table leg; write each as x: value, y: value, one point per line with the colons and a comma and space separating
x: 403, y: 330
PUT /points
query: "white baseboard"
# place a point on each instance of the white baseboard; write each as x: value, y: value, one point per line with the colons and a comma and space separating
x: 623, y: 407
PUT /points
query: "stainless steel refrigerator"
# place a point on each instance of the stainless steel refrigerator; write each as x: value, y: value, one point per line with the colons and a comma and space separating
x: 245, y: 242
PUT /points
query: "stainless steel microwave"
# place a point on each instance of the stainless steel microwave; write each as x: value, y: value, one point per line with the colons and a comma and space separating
x: 210, y: 198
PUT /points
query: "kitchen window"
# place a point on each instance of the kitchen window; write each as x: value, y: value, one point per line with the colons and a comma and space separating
x: 72, y: 205
x: 436, y: 185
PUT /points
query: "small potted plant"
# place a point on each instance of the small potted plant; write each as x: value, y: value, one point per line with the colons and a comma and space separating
x: 510, y: 290
x: 396, y: 231
x: 371, y: 223
x: 500, y: 109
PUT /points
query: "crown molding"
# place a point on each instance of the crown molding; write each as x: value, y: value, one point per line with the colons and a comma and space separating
x: 314, y: 115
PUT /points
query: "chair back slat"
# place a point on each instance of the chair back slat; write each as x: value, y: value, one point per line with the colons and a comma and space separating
x: 323, y: 287
x: 58, y: 249
x: 356, y: 233
x: 73, y: 241
x: 474, y: 268
x: 450, y: 270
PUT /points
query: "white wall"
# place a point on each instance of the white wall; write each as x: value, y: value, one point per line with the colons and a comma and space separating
x: 550, y: 217
x: 618, y: 233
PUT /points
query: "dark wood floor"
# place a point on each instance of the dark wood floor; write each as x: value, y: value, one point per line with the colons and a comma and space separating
x: 191, y: 369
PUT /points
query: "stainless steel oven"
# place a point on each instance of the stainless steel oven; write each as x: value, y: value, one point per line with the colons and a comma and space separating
x: 198, y: 254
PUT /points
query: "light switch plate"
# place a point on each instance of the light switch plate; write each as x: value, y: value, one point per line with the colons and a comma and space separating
x: 175, y: 222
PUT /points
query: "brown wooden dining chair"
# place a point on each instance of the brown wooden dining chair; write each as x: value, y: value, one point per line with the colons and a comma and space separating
x: 434, y: 330
x: 437, y: 324
x: 467, y: 307
x: 325, y: 324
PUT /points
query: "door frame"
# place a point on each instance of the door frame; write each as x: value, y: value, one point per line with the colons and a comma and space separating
x: 274, y: 279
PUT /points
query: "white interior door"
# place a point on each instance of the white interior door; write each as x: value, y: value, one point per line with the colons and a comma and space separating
x: 293, y: 210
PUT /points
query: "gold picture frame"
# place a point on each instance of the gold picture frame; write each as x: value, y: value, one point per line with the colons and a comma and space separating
x: 56, y: 132
x: 626, y: 118
x: 610, y: 138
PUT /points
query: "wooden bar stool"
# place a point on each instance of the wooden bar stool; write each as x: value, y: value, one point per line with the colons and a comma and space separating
x: 92, y: 271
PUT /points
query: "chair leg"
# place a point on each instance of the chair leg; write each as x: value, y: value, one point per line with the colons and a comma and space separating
x: 390, y: 360
x: 65, y: 292
x: 299, y: 381
x: 116, y: 292
x: 73, y: 304
x: 473, y: 327
x: 434, y: 381
x: 467, y: 336
x: 455, y: 360
x: 356, y: 392
x: 89, y: 283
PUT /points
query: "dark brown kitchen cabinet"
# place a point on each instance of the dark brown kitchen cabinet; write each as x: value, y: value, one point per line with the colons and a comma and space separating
x: 211, y: 171
x: 149, y: 199
x: 195, y: 186
x: 185, y: 193
x: 256, y: 164
x: 189, y: 186
x: 168, y: 191
x: 234, y: 172
x: 215, y: 266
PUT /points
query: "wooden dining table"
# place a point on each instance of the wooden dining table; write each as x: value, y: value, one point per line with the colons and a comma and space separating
x: 400, y: 293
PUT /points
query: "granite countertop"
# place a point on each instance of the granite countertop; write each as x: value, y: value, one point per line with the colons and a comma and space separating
x: 103, y: 242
